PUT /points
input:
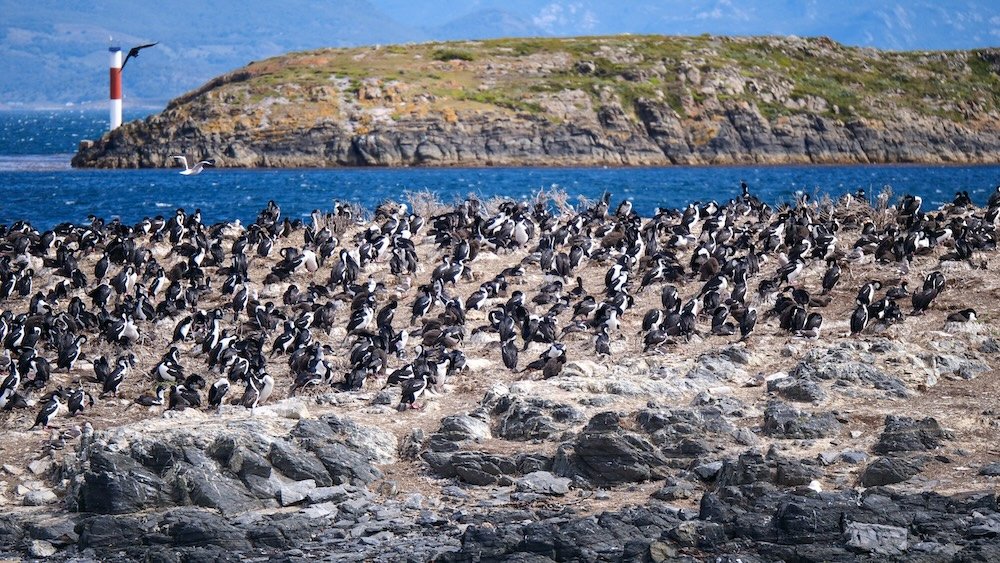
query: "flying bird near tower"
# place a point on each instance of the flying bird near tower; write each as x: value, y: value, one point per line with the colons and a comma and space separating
x: 134, y: 52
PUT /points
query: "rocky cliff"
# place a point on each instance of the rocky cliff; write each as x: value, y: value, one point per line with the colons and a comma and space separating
x: 624, y: 100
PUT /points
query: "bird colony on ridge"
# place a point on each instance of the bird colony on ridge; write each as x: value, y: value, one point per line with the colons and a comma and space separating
x: 284, y: 307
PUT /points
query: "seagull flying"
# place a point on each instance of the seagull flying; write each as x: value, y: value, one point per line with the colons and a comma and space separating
x: 192, y: 170
x: 134, y: 52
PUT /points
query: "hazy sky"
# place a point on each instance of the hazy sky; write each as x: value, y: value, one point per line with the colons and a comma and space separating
x: 55, y: 52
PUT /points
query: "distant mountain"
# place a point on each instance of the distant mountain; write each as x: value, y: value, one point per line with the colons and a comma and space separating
x: 54, y: 53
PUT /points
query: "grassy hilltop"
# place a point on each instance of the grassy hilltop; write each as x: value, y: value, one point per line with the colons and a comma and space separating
x: 642, y: 94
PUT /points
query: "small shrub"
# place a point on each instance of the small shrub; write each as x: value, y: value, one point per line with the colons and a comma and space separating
x: 452, y: 55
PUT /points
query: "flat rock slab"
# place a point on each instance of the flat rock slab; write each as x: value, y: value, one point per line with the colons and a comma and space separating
x: 543, y: 482
x: 875, y: 539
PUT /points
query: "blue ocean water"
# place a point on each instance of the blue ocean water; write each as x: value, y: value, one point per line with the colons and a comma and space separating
x: 37, y: 183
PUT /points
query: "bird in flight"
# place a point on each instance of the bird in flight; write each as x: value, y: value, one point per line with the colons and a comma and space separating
x: 192, y: 170
x: 134, y: 52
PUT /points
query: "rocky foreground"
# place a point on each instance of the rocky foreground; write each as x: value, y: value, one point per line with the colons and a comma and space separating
x: 589, y: 101
x: 794, y: 444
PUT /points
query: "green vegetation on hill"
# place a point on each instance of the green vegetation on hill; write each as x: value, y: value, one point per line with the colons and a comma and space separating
x: 780, y: 76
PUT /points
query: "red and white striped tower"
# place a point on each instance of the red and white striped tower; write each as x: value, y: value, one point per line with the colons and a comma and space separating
x: 116, y: 86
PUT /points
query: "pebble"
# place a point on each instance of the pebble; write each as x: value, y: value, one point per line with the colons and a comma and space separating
x: 40, y: 497
x: 414, y: 501
x: 41, y: 548
x: 321, y: 510
x: 853, y: 457
x: 15, y: 471
x: 454, y: 491
x: 990, y: 470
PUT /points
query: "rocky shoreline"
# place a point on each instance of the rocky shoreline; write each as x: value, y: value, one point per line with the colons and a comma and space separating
x: 739, y: 135
x: 843, y: 441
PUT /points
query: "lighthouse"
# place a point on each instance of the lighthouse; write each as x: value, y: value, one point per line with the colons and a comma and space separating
x: 116, y: 87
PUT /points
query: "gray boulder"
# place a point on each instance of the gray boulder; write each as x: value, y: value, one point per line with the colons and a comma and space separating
x: 346, y: 465
x: 904, y: 434
x: 876, y: 539
x: 990, y: 470
x: 840, y: 365
x: 298, y: 464
x: 232, y: 466
x: 889, y: 470
x: 801, y: 390
x: 117, y: 484
x: 193, y: 527
x: 783, y: 421
x: 205, y: 486
x: 533, y: 418
x: 477, y: 468
x: 604, y: 453
x: 457, y: 430
x: 686, y: 432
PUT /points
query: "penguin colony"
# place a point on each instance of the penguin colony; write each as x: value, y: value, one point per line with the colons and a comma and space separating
x: 172, y: 313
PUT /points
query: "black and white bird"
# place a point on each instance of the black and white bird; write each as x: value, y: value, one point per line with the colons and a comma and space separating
x: 157, y: 399
x: 114, y: 379
x: 169, y: 368
x: 217, y: 392
x: 413, y: 388
x: 50, y: 409
x: 258, y: 390
x: 747, y: 323
x: 78, y: 400
x: 9, y: 387
x: 963, y: 316
x: 859, y: 319
x: 71, y: 353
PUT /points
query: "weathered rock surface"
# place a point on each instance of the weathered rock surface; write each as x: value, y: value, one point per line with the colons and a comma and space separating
x: 904, y: 434
x: 754, y: 523
x: 783, y: 421
x: 233, y: 467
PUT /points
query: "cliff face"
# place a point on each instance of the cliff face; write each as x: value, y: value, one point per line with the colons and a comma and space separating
x: 586, y: 101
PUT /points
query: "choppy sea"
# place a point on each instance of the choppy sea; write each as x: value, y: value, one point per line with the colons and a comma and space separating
x: 37, y: 183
